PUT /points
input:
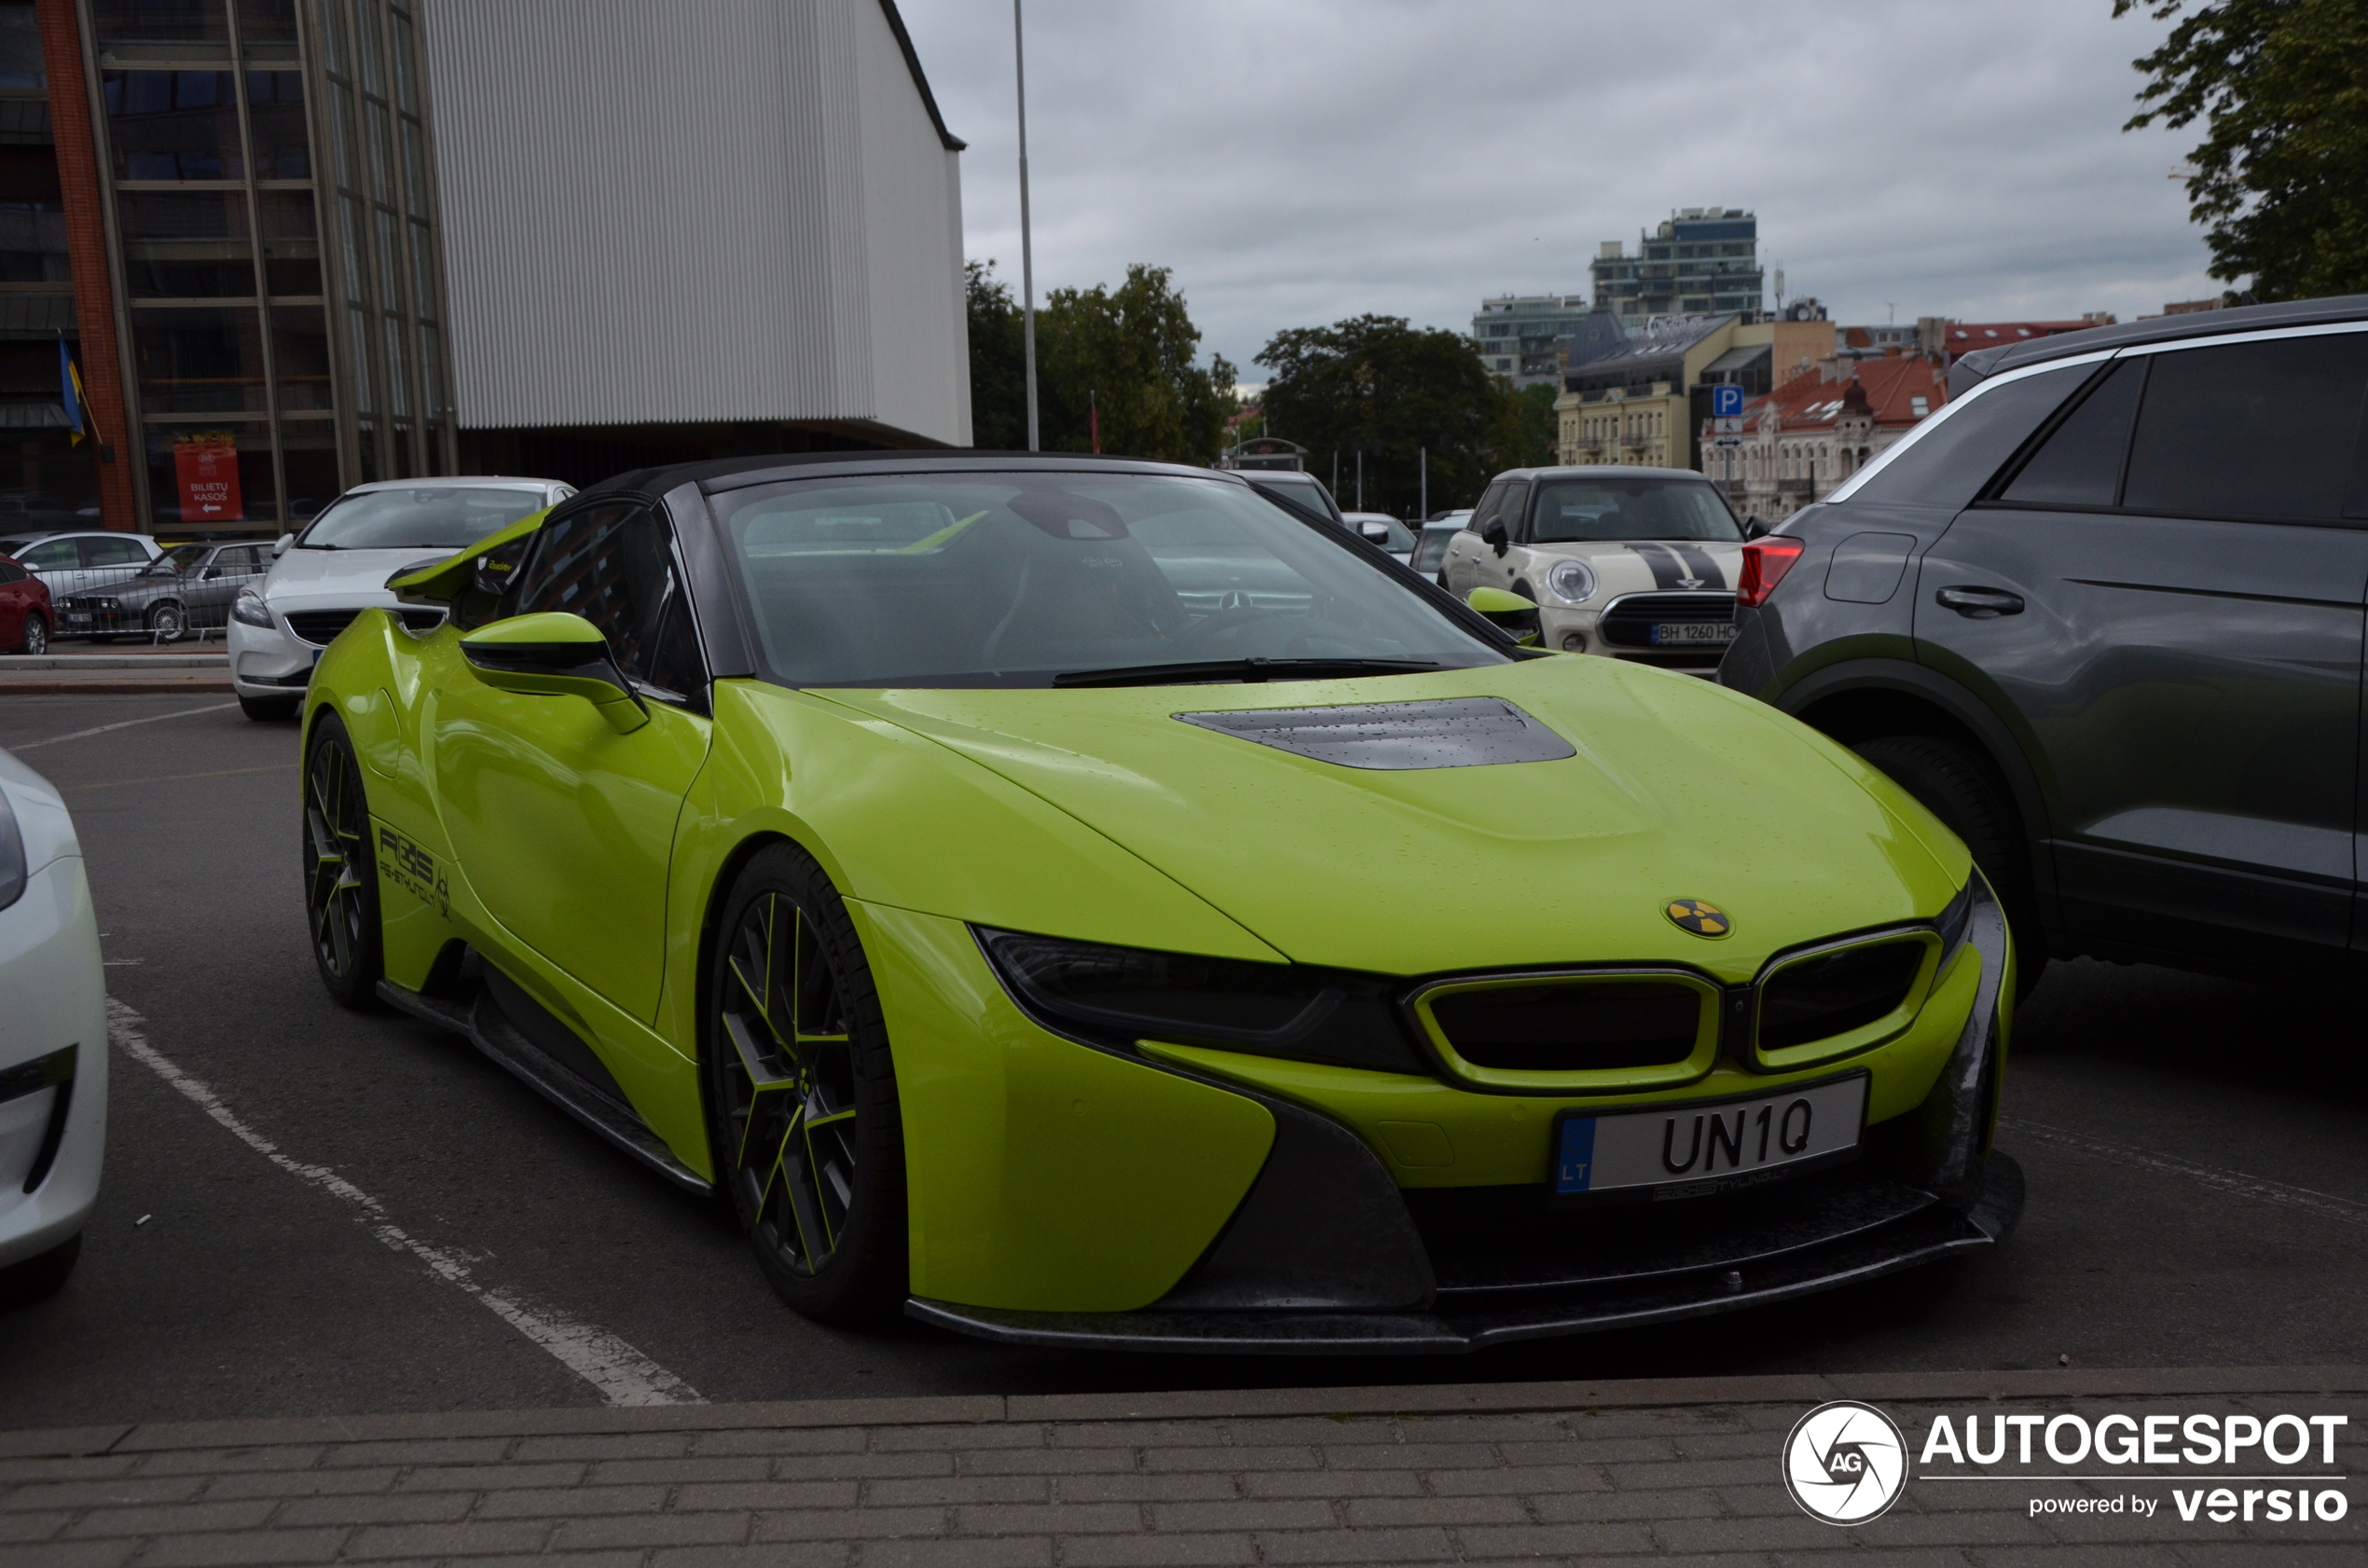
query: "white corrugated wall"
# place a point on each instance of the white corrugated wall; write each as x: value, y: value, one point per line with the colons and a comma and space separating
x: 701, y: 210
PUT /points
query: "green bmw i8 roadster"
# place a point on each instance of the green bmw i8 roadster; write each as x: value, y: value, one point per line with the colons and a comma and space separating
x: 1076, y: 901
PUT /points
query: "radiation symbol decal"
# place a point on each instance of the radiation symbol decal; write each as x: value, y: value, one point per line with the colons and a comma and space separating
x: 1702, y: 919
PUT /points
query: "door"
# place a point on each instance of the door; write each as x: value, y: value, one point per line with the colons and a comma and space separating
x: 16, y: 598
x: 2165, y: 603
x: 212, y: 588
x: 1464, y: 550
x: 565, y: 828
x: 57, y: 563
x: 109, y: 563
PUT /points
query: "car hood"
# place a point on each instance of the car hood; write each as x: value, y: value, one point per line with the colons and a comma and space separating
x: 1658, y: 787
x: 304, y: 578
x: 1645, y: 566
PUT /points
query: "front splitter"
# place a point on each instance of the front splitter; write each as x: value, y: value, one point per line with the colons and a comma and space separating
x: 1927, y: 1236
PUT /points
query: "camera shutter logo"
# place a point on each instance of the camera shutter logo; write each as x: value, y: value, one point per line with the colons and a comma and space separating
x: 1845, y: 1462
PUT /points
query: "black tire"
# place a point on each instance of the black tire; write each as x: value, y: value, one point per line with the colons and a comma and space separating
x: 1956, y: 783
x: 40, y: 1277
x: 268, y: 709
x: 168, y: 622
x: 34, y: 637
x: 341, y: 873
x: 802, y: 1105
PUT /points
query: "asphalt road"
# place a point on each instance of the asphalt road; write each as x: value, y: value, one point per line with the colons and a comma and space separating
x: 2198, y: 1155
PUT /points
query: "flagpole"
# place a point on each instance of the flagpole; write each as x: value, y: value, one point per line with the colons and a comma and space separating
x: 1027, y: 248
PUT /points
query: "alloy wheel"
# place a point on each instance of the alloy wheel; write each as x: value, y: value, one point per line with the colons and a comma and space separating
x: 334, y: 821
x: 788, y: 1087
x: 167, y: 622
x: 37, y: 634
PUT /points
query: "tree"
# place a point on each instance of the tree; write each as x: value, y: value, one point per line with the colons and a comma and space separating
x: 1541, y: 432
x: 1126, y: 352
x: 1378, y: 382
x: 999, y: 363
x: 2281, y: 176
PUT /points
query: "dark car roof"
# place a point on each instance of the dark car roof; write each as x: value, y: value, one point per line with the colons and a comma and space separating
x: 731, y: 474
x: 1984, y: 363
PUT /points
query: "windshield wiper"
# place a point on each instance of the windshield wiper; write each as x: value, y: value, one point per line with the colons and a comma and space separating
x: 1246, y: 671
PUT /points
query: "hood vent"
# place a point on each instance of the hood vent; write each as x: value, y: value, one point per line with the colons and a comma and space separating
x: 1462, y: 732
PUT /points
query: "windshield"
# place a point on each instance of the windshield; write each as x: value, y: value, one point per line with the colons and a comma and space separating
x: 1010, y: 579
x: 1292, y: 490
x: 1430, y: 554
x: 1586, y: 511
x: 432, y: 518
x: 181, y: 558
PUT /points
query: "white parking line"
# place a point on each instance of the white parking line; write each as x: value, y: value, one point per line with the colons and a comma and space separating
x: 622, y: 1375
x: 2260, y: 1188
x: 152, y: 718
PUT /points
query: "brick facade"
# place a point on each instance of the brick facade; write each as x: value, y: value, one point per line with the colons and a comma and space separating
x: 101, y: 354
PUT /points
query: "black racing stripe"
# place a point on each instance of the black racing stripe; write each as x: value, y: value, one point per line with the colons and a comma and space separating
x: 1666, y: 568
x: 1698, y: 563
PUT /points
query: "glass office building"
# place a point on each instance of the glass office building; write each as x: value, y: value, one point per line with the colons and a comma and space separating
x: 229, y: 212
x: 255, y: 347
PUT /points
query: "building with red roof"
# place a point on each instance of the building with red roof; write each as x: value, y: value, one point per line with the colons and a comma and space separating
x: 1818, y: 428
x: 1946, y: 340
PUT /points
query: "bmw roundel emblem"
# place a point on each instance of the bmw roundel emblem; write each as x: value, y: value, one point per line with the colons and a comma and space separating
x: 1702, y: 919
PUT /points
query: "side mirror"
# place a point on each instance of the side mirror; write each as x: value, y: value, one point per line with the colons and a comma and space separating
x: 280, y: 546
x: 209, y: 574
x: 1377, y: 532
x: 1509, y: 612
x: 1493, y: 535
x: 556, y: 654
x: 494, y: 568
x: 1755, y: 527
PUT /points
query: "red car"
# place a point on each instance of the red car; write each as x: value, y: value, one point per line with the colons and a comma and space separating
x: 26, y: 615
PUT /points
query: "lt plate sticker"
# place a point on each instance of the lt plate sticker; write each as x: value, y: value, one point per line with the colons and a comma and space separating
x: 1684, y: 1149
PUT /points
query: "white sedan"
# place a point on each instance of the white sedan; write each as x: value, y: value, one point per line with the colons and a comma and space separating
x: 338, y: 567
x: 53, y: 1039
x: 1633, y: 563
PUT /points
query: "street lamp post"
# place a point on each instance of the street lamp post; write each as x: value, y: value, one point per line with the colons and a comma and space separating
x: 1027, y: 250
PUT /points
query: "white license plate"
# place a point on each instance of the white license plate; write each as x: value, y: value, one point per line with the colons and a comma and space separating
x: 1677, y: 1151
x: 1692, y: 633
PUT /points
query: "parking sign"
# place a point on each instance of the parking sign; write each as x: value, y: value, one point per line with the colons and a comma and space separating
x: 1726, y: 403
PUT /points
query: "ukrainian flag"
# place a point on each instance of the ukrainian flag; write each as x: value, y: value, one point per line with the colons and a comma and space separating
x: 69, y: 391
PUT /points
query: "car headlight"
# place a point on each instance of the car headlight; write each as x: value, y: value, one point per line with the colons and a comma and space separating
x: 12, y: 855
x: 247, y: 610
x: 1572, y: 580
x: 1115, y: 996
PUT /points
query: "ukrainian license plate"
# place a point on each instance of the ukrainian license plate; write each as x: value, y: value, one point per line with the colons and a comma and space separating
x: 1692, y: 634
x: 1683, y: 1151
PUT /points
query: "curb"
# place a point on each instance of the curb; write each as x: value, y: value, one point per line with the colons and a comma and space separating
x: 103, y: 686
x: 1188, y: 1404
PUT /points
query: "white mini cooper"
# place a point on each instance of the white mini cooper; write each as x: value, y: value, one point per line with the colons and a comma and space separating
x: 1637, y: 563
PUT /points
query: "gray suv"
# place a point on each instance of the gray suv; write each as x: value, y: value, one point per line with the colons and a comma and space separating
x: 2103, y: 613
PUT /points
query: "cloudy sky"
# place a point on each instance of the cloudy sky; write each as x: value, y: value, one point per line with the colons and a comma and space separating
x: 1297, y: 161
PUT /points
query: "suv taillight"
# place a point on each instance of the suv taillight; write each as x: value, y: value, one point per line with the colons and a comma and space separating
x: 1765, y: 563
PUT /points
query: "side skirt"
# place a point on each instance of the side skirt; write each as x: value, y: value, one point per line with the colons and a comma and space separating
x: 481, y: 1020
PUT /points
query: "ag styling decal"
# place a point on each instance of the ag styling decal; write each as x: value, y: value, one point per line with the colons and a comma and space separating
x: 415, y: 870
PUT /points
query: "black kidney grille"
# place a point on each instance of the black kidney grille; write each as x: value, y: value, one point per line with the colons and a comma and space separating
x: 320, y: 627
x: 1818, y: 998
x: 1572, y: 1027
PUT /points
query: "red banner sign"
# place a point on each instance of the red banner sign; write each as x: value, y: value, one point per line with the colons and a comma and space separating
x: 206, y: 469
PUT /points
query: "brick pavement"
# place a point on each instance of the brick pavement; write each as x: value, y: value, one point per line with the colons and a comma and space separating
x: 1669, y: 1470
